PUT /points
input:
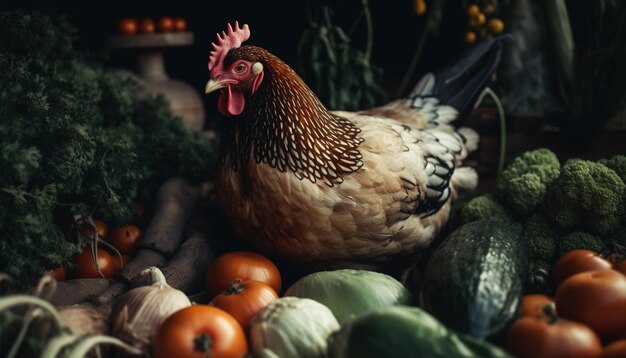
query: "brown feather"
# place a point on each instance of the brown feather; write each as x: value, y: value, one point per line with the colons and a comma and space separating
x: 320, y: 186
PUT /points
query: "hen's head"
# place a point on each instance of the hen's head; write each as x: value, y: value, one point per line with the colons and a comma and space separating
x: 234, y: 72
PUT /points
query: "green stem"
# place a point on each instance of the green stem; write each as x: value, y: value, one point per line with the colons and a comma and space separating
x: 41, y: 308
x: 488, y: 91
x: 156, y: 276
x: 18, y: 300
x: 28, y: 319
x: 414, y: 62
x: 370, y: 30
x: 95, y: 238
x: 355, y: 23
x: 562, y: 44
x: 113, y: 248
x: 33, y: 312
x: 309, y: 13
x: 435, y: 14
x: 203, y: 343
x: 236, y: 287
x: 85, y: 345
x: 55, y: 345
x: 46, y: 280
x: 548, y: 309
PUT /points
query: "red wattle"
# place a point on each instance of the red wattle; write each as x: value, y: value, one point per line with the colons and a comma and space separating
x: 257, y: 82
x: 231, y: 102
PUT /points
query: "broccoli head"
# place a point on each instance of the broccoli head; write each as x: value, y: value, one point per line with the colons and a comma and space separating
x: 618, y: 164
x: 483, y: 207
x: 618, y: 238
x: 540, y: 237
x: 587, y: 195
x: 579, y: 240
x: 523, y: 185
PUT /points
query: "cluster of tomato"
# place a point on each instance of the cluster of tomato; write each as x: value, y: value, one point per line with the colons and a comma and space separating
x: 585, y: 318
x: 241, y: 284
x: 115, y: 249
x: 124, y: 239
x: 130, y: 26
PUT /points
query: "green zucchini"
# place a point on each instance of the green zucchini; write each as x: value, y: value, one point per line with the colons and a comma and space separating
x: 474, y: 280
x: 403, y: 331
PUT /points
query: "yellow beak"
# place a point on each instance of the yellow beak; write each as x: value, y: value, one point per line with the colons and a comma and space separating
x: 213, y: 85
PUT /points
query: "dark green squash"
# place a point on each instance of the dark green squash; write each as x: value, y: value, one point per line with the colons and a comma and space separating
x: 473, y: 282
x: 402, y: 331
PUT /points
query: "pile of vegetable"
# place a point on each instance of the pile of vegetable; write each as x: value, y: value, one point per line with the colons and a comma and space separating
x: 584, y: 317
x: 536, y: 269
x: 474, y: 280
x: 343, y: 313
x: 76, y: 141
x: 579, y: 204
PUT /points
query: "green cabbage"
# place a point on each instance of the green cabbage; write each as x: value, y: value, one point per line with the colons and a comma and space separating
x: 292, y: 327
x: 350, y: 293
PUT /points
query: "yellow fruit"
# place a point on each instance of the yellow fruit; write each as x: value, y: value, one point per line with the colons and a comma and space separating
x: 495, y: 26
x: 419, y: 6
x: 469, y: 37
x: 489, y: 9
x: 473, y: 10
x: 477, y: 20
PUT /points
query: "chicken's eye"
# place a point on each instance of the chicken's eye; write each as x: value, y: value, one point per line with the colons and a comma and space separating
x: 240, y: 68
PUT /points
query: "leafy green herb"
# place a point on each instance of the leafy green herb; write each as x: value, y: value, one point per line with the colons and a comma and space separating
x: 76, y: 140
x: 343, y: 77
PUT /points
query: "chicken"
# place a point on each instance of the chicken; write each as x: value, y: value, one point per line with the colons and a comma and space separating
x: 333, y: 188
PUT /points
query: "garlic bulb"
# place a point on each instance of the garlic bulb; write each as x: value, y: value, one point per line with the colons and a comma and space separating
x: 292, y: 327
x: 84, y: 319
x: 139, y: 312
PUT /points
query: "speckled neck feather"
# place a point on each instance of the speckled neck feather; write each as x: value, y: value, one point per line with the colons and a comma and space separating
x: 286, y: 126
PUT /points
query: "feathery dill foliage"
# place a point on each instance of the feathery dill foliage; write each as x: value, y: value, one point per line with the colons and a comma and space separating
x: 75, y: 139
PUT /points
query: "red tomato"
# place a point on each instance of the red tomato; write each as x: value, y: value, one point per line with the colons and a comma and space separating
x: 125, y: 260
x: 244, y: 300
x: 146, y: 26
x: 596, y: 299
x: 180, y: 24
x: 126, y: 239
x: 534, y: 337
x: 616, y: 349
x: 165, y: 24
x: 621, y: 267
x: 139, y: 212
x: 577, y: 261
x: 59, y: 274
x: 535, y: 305
x: 127, y: 26
x: 244, y: 265
x: 86, y: 229
x: 192, y: 331
x: 86, y: 268
x: 614, y: 258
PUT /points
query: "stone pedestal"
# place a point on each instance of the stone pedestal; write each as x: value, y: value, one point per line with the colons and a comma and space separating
x: 184, y: 100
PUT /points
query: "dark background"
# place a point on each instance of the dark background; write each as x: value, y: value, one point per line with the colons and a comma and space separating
x: 278, y: 26
x: 275, y: 25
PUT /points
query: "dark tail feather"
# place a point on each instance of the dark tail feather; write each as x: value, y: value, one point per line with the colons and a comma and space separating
x: 460, y: 84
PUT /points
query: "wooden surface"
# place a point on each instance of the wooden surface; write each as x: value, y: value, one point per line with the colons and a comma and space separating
x: 527, y: 131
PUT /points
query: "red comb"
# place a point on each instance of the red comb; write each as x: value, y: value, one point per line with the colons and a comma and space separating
x: 227, y: 41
